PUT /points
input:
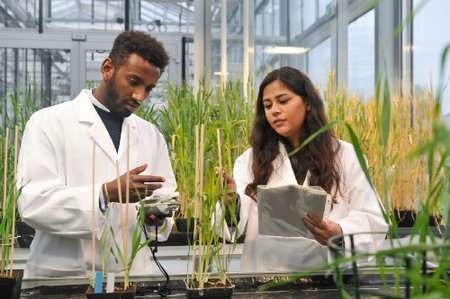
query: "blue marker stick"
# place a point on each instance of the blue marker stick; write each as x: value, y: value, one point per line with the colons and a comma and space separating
x: 98, y: 282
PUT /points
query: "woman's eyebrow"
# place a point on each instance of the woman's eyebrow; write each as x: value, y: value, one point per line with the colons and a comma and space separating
x: 276, y: 97
x: 280, y: 95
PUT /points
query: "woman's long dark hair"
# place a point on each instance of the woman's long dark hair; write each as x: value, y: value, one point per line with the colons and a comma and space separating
x: 319, y: 156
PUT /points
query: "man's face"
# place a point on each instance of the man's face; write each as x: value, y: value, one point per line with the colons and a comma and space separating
x: 130, y: 85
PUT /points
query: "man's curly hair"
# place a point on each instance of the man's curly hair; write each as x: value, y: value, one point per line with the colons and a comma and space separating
x: 142, y: 44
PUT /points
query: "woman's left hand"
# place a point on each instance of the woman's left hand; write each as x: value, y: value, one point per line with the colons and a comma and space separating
x: 322, y: 230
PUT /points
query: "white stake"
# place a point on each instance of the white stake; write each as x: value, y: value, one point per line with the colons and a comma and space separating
x: 224, y: 265
x: 5, y: 175
x: 110, y: 281
x: 93, y: 215
x: 16, y: 138
x: 127, y: 199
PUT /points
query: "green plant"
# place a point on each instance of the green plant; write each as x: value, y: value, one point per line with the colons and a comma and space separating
x: 137, y: 245
x: 10, y: 192
x: 23, y: 106
x: 6, y: 231
x: 222, y: 108
x: 209, y: 222
x: 410, y: 124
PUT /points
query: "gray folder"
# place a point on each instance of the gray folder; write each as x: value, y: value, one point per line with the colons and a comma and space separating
x: 281, y: 209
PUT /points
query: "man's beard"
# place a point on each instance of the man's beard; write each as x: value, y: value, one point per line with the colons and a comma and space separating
x: 112, y: 99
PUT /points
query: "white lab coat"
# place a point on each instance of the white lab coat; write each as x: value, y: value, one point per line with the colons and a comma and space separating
x: 55, y: 170
x: 358, y: 210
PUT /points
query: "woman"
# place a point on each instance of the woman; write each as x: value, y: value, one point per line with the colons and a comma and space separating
x: 288, y: 111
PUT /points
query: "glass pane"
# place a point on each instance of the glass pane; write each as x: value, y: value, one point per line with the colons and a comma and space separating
x: 268, y: 20
x: 176, y: 16
x: 234, y: 40
x: 323, y: 7
x: 308, y: 13
x: 152, y: 16
x: 319, y: 62
x: 94, y: 60
x: 295, y: 9
x: 270, y: 32
x: 276, y: 18
x: 19, y: 13
x: 361, y: 54
x: 431, y: 35
x: 40, y: 77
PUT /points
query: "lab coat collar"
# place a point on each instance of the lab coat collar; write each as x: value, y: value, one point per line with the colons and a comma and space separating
x: 86, y: 113
x: 130, y: 121
x: 283, y: 173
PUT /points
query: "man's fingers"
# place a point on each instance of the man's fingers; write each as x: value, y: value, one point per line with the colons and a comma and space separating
x: 138, y: 169
x: 152, y: 219
x: 152, y: 187
x: 148, y: 188
x: 148, y: 178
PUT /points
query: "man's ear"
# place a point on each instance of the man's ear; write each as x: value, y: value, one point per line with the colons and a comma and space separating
x: 107, y: 69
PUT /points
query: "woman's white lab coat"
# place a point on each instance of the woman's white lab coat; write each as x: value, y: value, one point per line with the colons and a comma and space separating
x: 357, y: 211
x: 58, y: 197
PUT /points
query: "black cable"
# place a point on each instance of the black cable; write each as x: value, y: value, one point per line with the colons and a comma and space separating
x: 163, y: 290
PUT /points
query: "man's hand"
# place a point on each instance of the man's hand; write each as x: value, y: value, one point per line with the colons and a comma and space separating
x: 145, y: 185
x: 322, y: 230
x: 156, y: 220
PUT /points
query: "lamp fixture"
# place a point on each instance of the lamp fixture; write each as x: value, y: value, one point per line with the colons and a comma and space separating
x: 286, y: 50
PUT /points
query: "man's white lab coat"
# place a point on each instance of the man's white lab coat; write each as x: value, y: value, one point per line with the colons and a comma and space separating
x: 56, y: 171
x: 357, y: 211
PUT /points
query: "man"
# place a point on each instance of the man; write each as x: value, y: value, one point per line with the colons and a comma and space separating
x: 56, y: 172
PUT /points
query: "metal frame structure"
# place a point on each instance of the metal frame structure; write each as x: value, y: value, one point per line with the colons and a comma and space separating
x: 231, y: 28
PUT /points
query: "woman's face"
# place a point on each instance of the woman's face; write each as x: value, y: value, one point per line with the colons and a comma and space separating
x: 285, y: 111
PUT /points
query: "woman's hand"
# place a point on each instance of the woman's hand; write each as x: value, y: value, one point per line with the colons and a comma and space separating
x: 322, y: 230
x: 229, y: 183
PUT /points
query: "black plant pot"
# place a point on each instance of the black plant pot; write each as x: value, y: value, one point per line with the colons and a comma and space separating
x: 211, y: 290
x: 181, y: 236
x: 181, y: 225
x: 406, y: 218
x: 130, y: 293
x: 25, y: 234
x: 10, y: 286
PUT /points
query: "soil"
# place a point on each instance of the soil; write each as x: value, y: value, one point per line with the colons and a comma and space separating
x: 118, y: 288
x: 15, y: 273
x: 212, y: 283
